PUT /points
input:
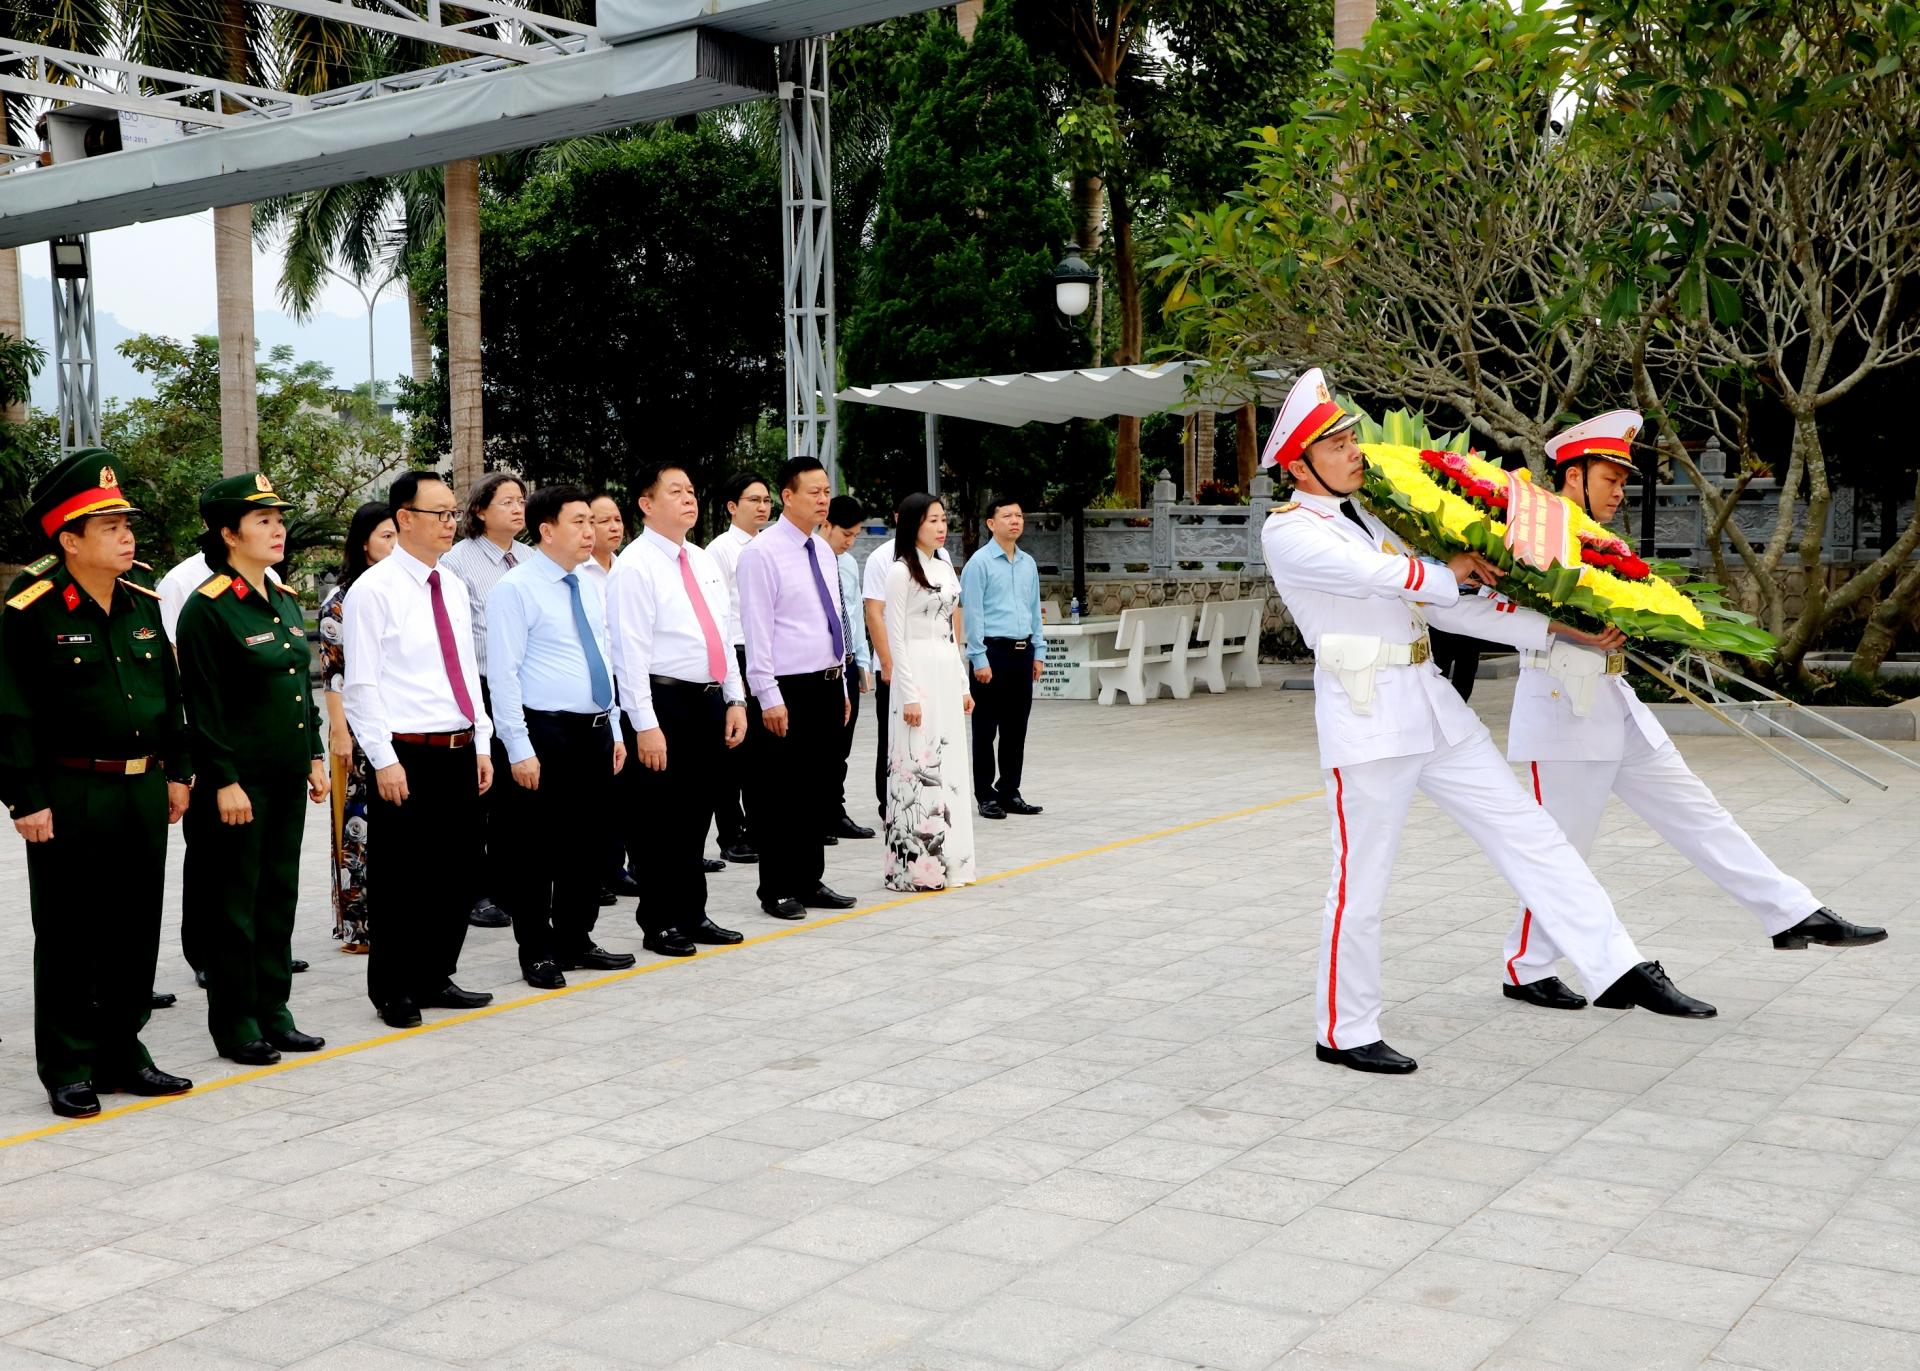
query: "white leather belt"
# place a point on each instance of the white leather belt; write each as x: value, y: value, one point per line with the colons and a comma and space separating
x: 1354, y: 657
x: 1578, y: 670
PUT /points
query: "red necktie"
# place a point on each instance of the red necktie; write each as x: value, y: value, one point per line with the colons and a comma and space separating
x: 716, y: 650
x: 449, y: 650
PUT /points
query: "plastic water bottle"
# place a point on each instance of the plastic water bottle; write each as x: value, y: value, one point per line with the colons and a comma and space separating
x: 1073, y: 609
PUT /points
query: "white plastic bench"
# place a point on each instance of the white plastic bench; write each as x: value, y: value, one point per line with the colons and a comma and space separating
x: 1155, y: 644
x: 1228, y: 637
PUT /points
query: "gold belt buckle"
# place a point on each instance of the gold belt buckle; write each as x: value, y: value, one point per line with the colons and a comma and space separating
x: 1421, y: 651
x: 136, y: 766
x: 1617, y: 662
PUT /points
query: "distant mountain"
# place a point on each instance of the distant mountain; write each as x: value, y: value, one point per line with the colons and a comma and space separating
x: 330, y: 339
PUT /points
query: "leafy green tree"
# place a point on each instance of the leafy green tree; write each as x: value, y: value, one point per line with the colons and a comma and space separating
x: 970, y: 221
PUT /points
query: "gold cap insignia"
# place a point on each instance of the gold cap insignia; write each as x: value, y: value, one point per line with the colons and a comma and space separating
x: 107, y: 482
x: 1321, y: 391
x: 260, y: 480
x: 1631, y: 433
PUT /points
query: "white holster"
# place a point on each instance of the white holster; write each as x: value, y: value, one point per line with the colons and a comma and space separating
x: 1578, y: 670
x: 1354, y: 657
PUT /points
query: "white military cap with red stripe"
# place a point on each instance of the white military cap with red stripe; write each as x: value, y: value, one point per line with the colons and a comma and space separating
x: 1606, y: 437
x: 1309, y: 415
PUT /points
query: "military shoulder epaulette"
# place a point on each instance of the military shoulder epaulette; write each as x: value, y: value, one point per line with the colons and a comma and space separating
x: 144, y: 566
x: 135, y: 585
x: 1287, y: 508
x: 41, y: 567
x: 213, y: 587
x: 30, y: 594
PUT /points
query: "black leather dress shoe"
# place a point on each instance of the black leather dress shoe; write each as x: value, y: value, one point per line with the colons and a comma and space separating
x: 1827, y: 928
x: 607, y: 897
x: 148, y: 1080
x: 200, y: 979
x: 828, y: 840
x: 487, y: 914
x: 293, y: 1040
x: 990, y: 809
x: 593, y: 957
x: 1376, y: 1057
x: 707, y: 931
x: 259, y: 1052
x: 623, y: 884
x: 712, y: 864
x: 826, y: 897
x: 1019, y: 806
x: 671, y: 943
x: 296, y: 966
x: 165, y: 999
x: 400, y: 1014
x: 76, y: 1101
x: 847, y: 828
x: 784, y: 909
x: 1648, y: 987
x: 543, y: 975
x: 1550, y: 992
x: 740, y: 854
x: 453, y: 997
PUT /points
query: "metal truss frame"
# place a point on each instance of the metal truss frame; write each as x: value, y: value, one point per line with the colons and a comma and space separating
x: 76, y: 353
x: 806, y: 253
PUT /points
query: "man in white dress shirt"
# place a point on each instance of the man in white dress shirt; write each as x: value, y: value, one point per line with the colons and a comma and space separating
x: 412, y: 697
x: 609, y: 535
x: 749, y: 506
x: 842, y: 527
x: 488, y: 549
x: 1390, y: 725
x: 1583, y: 734
x: 553, y: 710
x: 685, y: 707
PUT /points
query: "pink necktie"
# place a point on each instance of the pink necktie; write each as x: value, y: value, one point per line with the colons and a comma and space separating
x: 716, y: 650
x: 449, y: 651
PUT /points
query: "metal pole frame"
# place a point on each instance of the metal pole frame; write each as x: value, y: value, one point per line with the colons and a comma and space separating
x: 806, y: 254
x: 76, y: 351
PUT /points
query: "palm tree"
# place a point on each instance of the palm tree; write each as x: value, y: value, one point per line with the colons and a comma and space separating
x: 79, y: 26
x: 1351, y: 20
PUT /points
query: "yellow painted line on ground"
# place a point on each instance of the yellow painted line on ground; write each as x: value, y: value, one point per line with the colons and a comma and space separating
x: 541, y: 997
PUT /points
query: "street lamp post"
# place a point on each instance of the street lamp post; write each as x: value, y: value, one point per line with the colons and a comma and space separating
x: 1073, y: 282
x: 370, y: 300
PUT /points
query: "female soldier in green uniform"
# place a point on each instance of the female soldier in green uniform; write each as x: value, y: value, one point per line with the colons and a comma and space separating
x: 255, y: 737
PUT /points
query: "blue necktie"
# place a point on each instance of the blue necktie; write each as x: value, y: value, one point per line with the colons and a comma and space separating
x: 596, y: 669
x: 826, y: 603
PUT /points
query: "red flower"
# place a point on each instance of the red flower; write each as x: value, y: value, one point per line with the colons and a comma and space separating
x: 1625, y: 565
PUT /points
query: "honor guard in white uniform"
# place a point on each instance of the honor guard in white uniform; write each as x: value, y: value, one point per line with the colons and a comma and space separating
x: 1581, y: 733
x: 1389, y: 724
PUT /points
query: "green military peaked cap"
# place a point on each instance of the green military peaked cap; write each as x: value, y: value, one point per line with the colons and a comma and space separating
x: 237, y: 494
x: 82, y: 485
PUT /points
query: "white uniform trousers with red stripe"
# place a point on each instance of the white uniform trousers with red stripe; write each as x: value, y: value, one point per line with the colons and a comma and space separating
x: 1657, y: 785
x: 1473, y: 783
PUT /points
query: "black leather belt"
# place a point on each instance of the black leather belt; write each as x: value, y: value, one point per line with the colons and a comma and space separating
x: 675, y: 683
x: 568, y: 717
x: 1017, y: 644
x: 832, y: 673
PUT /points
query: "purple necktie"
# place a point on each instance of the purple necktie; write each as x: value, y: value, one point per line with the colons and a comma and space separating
x: 449, y: 650
x: 826, y: 603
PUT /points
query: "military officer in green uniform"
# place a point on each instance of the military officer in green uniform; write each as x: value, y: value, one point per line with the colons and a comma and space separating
x: 255, y: 736
x: 93, y: 767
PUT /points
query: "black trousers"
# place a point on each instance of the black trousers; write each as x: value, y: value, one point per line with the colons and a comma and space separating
x: 881, y: 695
x: 552, y: 887
x: 1002, y: 706
x: 732, y: 806
x: 1458, y: 658
x: 791, y: 783
x: 496, y: 852
x: 423, y: 865
x: 846, y: 743
x: 666, y: 811
x: 240, y: 886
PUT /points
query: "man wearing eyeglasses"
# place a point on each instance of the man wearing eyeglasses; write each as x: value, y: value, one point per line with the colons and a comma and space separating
x: 413, y: 700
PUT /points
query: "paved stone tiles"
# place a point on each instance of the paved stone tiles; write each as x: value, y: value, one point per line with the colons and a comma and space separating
x: 1068, y: 1119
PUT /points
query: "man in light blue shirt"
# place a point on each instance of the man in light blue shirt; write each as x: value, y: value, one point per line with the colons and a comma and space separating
x: 552, y: 678
x: 842, y: 527
x: 1000, y: 600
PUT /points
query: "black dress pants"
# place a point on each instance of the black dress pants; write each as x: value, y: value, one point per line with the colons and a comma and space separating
x: 791, y: 783
x: 423, y: 862
x: 732, y: 812
x: 667, y: 810
x: 1002, y: 706
x: 881, y: 701
x: 496, y: 844
x: 552, y: 887
x: 846, y: 744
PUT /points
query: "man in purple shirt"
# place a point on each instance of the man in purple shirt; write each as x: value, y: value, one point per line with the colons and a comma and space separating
x: 796, y: 673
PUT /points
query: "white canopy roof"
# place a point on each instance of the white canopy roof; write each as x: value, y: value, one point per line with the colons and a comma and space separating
x: 1053, y: 397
